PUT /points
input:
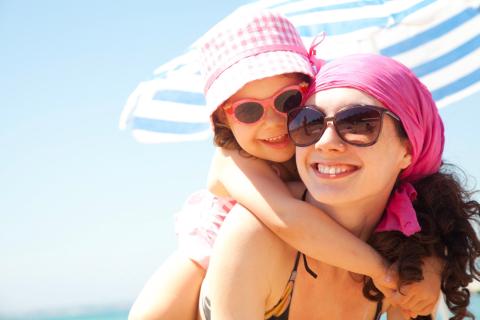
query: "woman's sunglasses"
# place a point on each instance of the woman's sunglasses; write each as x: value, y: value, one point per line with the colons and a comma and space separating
x: 359, y: 125
x: 250, y: 111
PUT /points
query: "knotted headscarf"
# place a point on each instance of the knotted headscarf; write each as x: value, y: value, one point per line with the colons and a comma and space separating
x: 401, y: 92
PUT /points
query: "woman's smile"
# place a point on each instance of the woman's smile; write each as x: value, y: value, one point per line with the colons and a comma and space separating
x: 333, y: 170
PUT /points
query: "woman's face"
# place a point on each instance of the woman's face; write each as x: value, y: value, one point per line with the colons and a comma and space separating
x: 268, y: 138
x: 336, y: 173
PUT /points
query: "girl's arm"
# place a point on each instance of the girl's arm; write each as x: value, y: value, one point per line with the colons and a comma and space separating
x: 159, y: 298
x: 308, y: 229
x: 422, y: 297
x: 394, y: 313
x: 182, y: 273
x: 398, y: 312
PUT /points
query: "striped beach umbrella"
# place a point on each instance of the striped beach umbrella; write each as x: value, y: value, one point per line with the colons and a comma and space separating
x: 438, y: 39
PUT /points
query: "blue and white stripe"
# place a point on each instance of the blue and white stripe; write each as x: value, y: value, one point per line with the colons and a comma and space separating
x: 438, y: 39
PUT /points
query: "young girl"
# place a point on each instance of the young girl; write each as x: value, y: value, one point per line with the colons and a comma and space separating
x: 256, y: 69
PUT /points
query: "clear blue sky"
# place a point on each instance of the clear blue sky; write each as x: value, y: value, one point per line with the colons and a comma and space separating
x: 87, y: 212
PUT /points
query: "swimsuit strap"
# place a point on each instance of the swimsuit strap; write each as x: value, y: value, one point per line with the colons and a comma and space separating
x: 378, y: 312
x: 282, y: 308
x: 310, y: 271
x: 293, y: 275
x: 304, y: 195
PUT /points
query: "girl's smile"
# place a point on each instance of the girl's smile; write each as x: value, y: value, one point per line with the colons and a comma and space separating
x: 277, y: 142
x: 267, y: 138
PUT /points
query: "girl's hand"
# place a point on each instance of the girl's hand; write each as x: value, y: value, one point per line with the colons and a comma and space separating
x: 386, y: 279
x: 420, y: 298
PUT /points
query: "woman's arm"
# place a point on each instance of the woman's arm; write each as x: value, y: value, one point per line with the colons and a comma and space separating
x: 252, y: 183
x: 237, y: 283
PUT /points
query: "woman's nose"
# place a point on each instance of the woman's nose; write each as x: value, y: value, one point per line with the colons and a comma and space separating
x: 330, y: 140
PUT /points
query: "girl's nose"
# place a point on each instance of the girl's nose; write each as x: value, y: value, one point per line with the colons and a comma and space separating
x: 274, y: 117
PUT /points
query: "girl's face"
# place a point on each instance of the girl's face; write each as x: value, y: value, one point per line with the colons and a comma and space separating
x: 268, y: 138
x: 337, y: 173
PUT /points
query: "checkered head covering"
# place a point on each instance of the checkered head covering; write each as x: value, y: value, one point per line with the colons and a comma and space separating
x: 246, y: 46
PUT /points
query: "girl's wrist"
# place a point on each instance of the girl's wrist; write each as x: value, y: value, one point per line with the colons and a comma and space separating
x: 380, y: 271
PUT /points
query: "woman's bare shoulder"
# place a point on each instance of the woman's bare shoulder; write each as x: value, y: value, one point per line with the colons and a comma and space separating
x: 242, y: 223
x: 250, y: 239
x: 248, y: 255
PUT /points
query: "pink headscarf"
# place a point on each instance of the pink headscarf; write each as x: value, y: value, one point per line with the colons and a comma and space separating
x: 400, y: 91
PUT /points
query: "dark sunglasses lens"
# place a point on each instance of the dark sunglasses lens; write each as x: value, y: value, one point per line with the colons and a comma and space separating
x: 288, y: 100
x: 359, y: 125
x: 249, y: 112
x: 305, y: 126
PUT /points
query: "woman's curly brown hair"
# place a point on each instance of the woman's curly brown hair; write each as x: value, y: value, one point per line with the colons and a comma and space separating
x: 447, y: 215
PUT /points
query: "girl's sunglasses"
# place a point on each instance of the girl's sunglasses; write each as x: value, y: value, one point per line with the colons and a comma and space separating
x: 250, y: 111
x: 359, y: 125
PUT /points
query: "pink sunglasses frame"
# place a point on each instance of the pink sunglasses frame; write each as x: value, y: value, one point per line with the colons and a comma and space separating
x: 265, y: 103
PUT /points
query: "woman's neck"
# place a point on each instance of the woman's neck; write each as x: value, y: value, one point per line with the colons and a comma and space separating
x: 287, y: 171
x: 360, y: 218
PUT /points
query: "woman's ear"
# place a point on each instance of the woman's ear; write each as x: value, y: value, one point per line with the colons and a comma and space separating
x: 407, y: 156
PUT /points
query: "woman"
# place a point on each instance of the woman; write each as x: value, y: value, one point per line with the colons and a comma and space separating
x: 371, y: 134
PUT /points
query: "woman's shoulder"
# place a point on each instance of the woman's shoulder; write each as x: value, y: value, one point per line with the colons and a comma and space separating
x: 247, y: 253
x: 254, y: 244
x: 243, y: 226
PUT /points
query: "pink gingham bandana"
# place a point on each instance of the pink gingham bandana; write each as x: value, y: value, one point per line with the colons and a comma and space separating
x: 400, y: 91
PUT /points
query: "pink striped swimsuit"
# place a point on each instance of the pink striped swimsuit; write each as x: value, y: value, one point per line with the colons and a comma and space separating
x: 198, y: 222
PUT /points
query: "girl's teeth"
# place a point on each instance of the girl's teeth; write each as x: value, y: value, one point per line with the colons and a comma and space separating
x: 275, y: 139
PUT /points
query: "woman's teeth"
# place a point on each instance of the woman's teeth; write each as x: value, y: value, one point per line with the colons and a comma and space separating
x: 333, y: 170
